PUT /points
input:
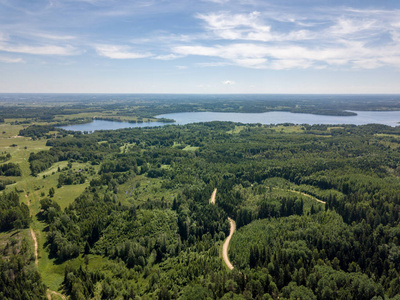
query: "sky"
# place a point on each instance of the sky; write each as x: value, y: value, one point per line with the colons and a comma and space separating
x: 200, y: 46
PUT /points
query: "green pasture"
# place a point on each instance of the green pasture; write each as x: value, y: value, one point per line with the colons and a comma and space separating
x: 139, y: 189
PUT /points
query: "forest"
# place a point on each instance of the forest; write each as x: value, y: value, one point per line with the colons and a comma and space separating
x: 126, y: 214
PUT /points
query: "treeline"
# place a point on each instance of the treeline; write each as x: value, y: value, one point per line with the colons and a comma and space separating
x: 13, y: 214
x: 68, y: 231
x: 71, y: 178
x: 4, y: 183
x: 295, y: 257
x: 78, y: 149
x: 42, y: 131
x: 10, y: 169
x: 19, y: 278
x: 5, y: 156
x: 287, y: 206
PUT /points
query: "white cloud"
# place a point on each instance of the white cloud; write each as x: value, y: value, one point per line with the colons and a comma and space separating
x: 216, y: 1
x: 213, y: 64
x: 228, y: 82
x: 346, y: 26
x: 56, y: 37
x: 367, y: 63
x: 395, y: 35
x: 167, y: 57
x: 251, y: 55
x: 11, y: 60
x: 181, y: 67
x: 341, y: 39
x: 119, y: 52
x: 248, y: 27
x: 40, y: 50
x: 3, y: 37
x: 236, y: 26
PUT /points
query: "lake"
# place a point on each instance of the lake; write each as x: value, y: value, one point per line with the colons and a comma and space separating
x: 109, y: 125
x: 391, y: 118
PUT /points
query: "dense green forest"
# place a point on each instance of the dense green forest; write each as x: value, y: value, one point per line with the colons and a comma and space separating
x: 13, y: 214
x: 317, y: 211
x: 166, y: 239
x: 19, y: 278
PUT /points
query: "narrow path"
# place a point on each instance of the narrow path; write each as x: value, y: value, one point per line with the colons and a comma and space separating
x: 307, y: 195
x: 301, y: 193
x: 33, y: 234
x: 212, y: 199
x: 226, y: 244
x: 36, y: 247
x: 50, y: 294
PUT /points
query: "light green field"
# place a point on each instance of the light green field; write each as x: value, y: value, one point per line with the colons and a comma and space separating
x: 147, y: 188
x: 190, y: 148
x: 236, y: 130
x: 32, y: 190
x: 288, y: 129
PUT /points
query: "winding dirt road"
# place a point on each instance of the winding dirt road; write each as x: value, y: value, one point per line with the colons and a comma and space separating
x: 226, y: 244
x: 228, y: 239
x: 212, y: 199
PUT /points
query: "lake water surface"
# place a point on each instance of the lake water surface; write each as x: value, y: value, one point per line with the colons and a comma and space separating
x: 108, y: 125
x: 391, y: 118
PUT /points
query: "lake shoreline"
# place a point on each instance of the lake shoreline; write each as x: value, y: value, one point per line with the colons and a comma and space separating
x: 389, y: 118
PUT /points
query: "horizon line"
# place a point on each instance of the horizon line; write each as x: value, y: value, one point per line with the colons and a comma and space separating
x: 155, y: 93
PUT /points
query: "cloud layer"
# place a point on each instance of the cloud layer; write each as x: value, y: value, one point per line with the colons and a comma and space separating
x: 349, y: 39
x: 269, y: 37
x: 202, y: 43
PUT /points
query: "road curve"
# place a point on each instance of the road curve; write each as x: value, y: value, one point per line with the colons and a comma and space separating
x: 228, y: 239
x: 226, y: 244
x: 212, y: 199
x: 309, y: 196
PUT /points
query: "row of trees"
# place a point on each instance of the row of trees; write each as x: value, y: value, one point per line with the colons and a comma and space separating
x: 10, y: 169
x: 13, y: 214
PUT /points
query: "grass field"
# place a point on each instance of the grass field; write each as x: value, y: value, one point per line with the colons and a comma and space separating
x: 32, y: 190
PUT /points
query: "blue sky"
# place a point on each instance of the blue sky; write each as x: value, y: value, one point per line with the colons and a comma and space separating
x: 203, y: 46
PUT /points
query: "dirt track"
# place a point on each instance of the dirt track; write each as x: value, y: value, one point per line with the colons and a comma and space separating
x: 225, y: 247
x: 57, y: 294
x: 212, y: 199
x: 36, y: 247
x: 307, y: 195
x: 228, y: 239
x: 226, y: 244
x: 33, y: 234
